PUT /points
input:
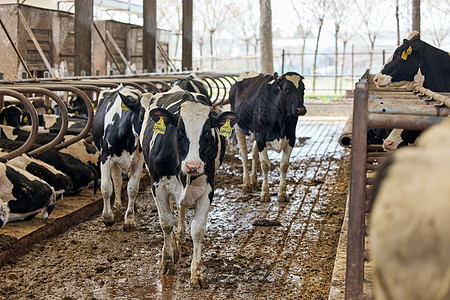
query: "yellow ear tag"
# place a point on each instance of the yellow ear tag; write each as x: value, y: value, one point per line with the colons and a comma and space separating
x: 25, y: 120
x: 4, y: 121
x: 124, y: 107
x: 226, y: 129
x: 159, y: 126
x: 406, y: 53
x: 49, y: 111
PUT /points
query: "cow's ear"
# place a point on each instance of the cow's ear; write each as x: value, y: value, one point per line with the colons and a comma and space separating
x: 130, y: 103
x: 221, y: 119
x: 158, y: 113
x: 275, y: 76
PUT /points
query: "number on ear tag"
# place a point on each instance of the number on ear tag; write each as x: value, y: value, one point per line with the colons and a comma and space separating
x: 159, y: 126
x: 226, y: 129
x: 406, y: 53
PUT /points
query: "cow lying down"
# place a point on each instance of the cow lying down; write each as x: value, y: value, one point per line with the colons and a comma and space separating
x: 410, y: 223
x: 23, y: 195
x: 80, y: 174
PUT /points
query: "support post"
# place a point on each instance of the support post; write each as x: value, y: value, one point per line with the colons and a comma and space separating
x: 83, y: 37
x: 355, y: 246
x: 149, y: 36
x: 186, y: 60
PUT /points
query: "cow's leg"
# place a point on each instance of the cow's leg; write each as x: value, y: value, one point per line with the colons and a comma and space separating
x: 284, y: 165
x: 265, y: 166
x: 166, y: 220
x: 107, y: 189
x: 133, y: 190
x: 198, y: 227
x: 181, y: 231
x: 116, y: 174
x: 255, y: 158
x: 243, y: 153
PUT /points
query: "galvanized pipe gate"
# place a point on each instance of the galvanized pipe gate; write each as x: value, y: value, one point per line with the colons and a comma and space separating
x: 393, y: 108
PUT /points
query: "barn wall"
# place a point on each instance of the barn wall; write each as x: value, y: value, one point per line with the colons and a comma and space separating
x: 10, y: 62
x: 54, y: 31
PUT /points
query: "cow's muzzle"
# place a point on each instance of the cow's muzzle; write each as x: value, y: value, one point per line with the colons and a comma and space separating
x: 193, y: 168
x: 301, y: 111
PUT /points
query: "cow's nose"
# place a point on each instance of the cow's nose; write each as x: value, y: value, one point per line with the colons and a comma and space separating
x: 301, y: 111
x: 193, y: 167
x: 375, y: 80
x: 388, y: 145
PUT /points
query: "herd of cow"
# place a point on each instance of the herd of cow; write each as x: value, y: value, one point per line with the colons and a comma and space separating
x: 180, y: 139
x: 176, y: 135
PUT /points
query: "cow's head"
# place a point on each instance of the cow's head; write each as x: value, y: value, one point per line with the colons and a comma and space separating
x: 404, y: 65
x: 292, y: 91
x: 131, y: 100
x: 4, y: 213
x: 12, y: 115
x: 195, y: 125
x: 400, y: 138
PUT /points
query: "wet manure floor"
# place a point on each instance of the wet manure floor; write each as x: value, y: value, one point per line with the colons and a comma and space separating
x: 252, y: 250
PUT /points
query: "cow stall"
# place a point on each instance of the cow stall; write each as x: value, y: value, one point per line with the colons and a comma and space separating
x: 387, y: 108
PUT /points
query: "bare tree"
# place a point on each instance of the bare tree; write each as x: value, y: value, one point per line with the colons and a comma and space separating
x: 319, y: 9
x: 416, y: 15
x: 266, y: 36
x: 304, y: 29
x: 339, y: 13
x: 345, y: 35
x: 246, y: 18
x: 213, y: 13
x: 166, y: 10
x: 439, y: 30
x: 372, y: 15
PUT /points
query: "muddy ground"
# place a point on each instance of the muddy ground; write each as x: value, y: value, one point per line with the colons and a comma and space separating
x: 242, y: 261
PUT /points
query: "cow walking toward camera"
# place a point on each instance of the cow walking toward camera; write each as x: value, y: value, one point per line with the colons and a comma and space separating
x: 268, y: 107
x: 115, y: 129
x: 183, y: 148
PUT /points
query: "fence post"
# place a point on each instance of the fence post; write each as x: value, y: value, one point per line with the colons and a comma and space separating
x: 384, y: 56
x: 282, y: 62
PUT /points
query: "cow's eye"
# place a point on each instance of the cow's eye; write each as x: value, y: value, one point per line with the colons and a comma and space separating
x: 287, y: 90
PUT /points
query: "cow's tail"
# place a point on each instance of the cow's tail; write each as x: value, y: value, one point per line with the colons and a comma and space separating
x: 94, y: 171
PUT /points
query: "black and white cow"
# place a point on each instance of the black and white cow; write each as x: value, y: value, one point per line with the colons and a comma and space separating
x: 81, y: 174
x: 268, y: 107
x: 410, y: 224
x: 400, y: 138
x: 13, y: 115
x: 23, y: 195
x: 81, y: 150
x: 59, y: 181
x: 193, y: 84
x: 115, y: 129
x: 183, y: 149
x: 416, y: 60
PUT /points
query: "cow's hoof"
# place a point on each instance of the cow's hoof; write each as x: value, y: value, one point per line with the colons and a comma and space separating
x: 167, y: 267
x: 109, y: 220
x: 198, y: 282
x: 265, y: 197
x: 283, y: 198
x: 129, y: 226
x: 247, y: 188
